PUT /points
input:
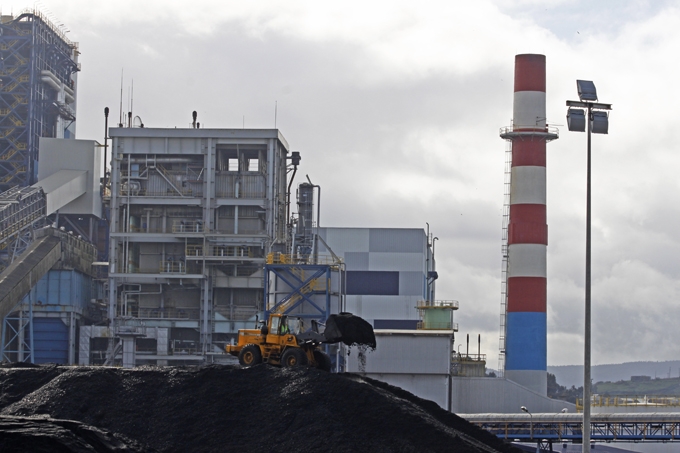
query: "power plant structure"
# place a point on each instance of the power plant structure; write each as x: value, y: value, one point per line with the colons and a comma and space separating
x: 524, y: 323
x: 38, y: 84
x: 191, y: 238
x: 195, y: 213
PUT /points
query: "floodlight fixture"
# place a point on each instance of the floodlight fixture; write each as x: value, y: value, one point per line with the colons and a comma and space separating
x: 586, y: 90
x: 599, y: 122
x: 576, y: 120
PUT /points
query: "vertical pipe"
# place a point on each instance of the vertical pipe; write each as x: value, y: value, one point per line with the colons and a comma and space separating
x: 106, y: 142
x: 72, y: 339
x: 30, y: 321
x: 20, y: 337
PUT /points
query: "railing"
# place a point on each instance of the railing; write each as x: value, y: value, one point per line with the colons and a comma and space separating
x: 427, y: 325
x: 280, y: 258
x: 438, y: 304
x: 172, y: 267
x: 219, y: 251
x: 528, y: 129
x: 143, y: 192
x: 168, y: 313
x: 460, y: 357
x: 187, y: 226
x: 630, y: 401
x: 569, y: 426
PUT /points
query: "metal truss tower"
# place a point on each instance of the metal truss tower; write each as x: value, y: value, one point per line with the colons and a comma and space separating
x: 38, y: 68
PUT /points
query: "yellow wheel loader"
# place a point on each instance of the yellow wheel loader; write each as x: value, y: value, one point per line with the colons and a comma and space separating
x: 283, y: 341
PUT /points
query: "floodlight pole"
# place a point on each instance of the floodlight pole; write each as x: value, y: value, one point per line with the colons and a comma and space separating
x: 587, y: 348
x: 589, y: 106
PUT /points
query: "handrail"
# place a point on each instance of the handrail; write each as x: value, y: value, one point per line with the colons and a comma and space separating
x: 529, y: 129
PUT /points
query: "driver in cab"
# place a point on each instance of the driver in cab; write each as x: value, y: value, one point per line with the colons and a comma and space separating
x: 284, y: 327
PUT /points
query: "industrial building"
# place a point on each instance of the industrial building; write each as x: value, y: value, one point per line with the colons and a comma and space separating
x: 202, y: 242
x: 38, y: 84
x: 194, y: 214
x: 52, y: 286
x: 204, y: 239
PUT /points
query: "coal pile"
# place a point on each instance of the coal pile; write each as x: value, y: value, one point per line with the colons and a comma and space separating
x: 228, y: 408
x: 37, y: 435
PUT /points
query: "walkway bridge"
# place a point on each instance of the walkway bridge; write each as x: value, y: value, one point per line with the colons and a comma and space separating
x: 565, y: 427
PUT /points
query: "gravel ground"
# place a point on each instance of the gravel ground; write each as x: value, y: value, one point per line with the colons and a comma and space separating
x: 228, y: 408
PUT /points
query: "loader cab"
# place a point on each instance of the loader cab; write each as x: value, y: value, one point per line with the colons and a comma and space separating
x: 284, y: 325
x: 274, y: 324
x: 295, y: 325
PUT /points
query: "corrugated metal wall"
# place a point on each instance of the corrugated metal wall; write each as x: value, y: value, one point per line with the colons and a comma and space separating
x: 418, y: 363
x: 66, y: 288
x: 51, y: 340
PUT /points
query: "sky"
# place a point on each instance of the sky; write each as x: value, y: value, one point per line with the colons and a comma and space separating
x: 395, y: 107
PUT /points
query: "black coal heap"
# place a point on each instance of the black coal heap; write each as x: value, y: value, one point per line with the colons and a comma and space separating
x: 228, y: 408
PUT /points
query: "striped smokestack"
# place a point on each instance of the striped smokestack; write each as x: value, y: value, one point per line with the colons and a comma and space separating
x: 526, y: 332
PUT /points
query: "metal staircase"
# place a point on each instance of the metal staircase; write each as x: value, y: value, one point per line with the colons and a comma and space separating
x: 504, y: 263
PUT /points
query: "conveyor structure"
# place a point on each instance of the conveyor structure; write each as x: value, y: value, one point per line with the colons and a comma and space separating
x: 51, y: 249
x: 23, y: 208
x: 628, y: 427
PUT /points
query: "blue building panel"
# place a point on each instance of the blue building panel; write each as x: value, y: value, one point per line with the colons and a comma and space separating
x: 526, y: 344
x: 372, y: 283
x: 50, y: 336
x: 64, y: 287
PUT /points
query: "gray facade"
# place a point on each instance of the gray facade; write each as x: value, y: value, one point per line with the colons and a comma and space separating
x: 386, y: 269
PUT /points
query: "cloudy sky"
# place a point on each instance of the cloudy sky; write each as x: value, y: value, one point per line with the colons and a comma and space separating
x: 395, y: 107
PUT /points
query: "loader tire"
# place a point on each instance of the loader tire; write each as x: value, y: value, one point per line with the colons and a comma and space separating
x: 250, y: 355
x: 293, y: 357
x: 323, y: 361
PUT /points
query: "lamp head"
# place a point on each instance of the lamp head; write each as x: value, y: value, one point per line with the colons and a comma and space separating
x: 586, y: 90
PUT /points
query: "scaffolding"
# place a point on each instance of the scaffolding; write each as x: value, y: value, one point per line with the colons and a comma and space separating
x: 38, y: 67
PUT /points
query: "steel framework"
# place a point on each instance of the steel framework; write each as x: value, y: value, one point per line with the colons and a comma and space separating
x: 37, y: 93
x: 14, y: 344
x: 628, y: 427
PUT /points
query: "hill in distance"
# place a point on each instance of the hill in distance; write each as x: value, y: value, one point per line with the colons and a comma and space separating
x: 568, y: 375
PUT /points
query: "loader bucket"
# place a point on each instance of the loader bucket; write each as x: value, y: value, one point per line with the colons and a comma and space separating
x: 350, y: 330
